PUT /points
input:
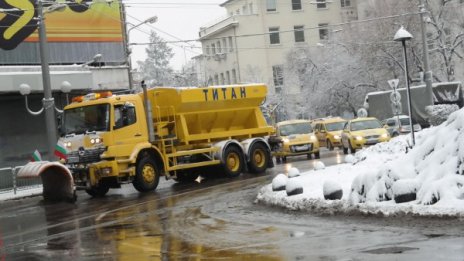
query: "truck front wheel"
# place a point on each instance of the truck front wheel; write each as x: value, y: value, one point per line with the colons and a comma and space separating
x: 233, y: 161
x: 147, y: 175
x: 98, y: 191
x: 259, y: 158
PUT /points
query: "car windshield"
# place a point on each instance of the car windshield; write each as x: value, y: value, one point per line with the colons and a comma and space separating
x: 404, y: 122
x: 335, y: 126
x: 295, y: 128
x: 86, y: 119
x: 364, y: 125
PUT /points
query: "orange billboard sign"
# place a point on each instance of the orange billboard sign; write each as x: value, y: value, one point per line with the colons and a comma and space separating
x: 75, y: 21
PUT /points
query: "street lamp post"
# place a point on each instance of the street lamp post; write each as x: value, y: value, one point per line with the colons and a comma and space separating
x: 150, y: 20
x: 402, y: 36
x: 48, y: 101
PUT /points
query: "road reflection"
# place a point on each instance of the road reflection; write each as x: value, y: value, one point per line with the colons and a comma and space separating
x: 146, y: 233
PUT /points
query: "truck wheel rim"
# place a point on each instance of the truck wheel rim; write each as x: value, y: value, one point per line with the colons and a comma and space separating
x: 233, y: 162
x: 259, y: 158
x: 148, y: 173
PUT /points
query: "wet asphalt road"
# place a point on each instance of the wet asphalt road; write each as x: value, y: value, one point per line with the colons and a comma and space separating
x: 215, y: 220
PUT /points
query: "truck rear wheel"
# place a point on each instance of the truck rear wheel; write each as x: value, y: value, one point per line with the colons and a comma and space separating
x: 98, y: 191
x: 233, y: 161
x: 259, y: 158
x: 147, y: 175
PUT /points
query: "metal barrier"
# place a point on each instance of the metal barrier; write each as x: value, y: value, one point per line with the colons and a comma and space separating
x: 9, y: 180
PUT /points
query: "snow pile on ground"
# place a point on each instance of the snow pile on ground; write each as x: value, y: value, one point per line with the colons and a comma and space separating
x: 439, y: 113
x: 429, y: 178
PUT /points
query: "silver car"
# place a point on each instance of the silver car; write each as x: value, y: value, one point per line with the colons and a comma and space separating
x: 398, y: 125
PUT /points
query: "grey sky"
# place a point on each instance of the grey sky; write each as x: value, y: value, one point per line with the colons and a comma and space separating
x: 178, y: 19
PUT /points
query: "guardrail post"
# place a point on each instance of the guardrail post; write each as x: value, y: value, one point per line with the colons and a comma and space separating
x: 13, y: 171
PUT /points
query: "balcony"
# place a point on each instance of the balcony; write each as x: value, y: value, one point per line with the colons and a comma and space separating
x: 218, y: 26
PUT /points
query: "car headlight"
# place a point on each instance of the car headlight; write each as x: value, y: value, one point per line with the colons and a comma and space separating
x: 385, y: 135
x: 337, y: 137
x: 285, y: 140
x: 96, y: 140
x: 313, y: 137
x: 359, y: 138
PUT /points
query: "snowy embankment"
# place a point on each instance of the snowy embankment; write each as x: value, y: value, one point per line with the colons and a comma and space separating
x: 387, y: 178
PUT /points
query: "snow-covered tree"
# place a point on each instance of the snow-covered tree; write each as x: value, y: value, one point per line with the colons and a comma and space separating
x: 156, y: 69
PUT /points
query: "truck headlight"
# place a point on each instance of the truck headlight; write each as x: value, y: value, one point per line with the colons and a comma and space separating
x: 67, y: 144
x: 96, y: 140
x: 359, y: 138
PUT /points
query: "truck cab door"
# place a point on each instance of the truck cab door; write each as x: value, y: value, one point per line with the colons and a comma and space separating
x: 127, y: 129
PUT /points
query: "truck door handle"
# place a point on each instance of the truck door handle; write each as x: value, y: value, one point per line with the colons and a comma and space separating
x: 138, y: 135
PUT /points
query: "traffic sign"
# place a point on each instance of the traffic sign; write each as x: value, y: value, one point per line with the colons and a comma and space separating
x: 397, y: 108
x: 362, y: 112
x: 393, y: 83
x: 395, y: 97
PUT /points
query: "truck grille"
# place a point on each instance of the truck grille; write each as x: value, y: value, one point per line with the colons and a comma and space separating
x: 85, y: 156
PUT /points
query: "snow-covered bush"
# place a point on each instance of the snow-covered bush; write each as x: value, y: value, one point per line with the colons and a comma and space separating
x: 279, y: 182
x: 293, y: 172
x: 332, y: 190
x: 294, y: 187
x: 319, y: 165
x: 439, y: 113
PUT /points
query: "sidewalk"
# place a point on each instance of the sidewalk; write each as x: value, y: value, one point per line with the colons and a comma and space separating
x: 20, y: 193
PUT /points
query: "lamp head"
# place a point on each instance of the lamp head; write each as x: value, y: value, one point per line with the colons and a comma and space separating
x: 66, y: 87
x: 24, y: 89
x: 402, y: 35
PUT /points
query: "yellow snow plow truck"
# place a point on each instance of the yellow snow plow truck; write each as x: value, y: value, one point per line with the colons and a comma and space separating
x: 178, y: 133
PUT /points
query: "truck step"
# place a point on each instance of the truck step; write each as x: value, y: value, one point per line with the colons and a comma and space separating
x: 194, y: 165
x: 190, y: 152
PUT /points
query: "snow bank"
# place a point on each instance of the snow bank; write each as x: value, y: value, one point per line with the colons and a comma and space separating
x: 433, y: 171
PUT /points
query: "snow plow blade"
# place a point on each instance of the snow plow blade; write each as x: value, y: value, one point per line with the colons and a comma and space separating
x: 57, y: 180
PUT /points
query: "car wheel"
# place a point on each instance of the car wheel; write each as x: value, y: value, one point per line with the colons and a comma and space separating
x: 284, y: 159
x: 329, y: 145
x: 317, y: 155
x: 353, y: 150
x: 395, y: 134
x: 308, y: 156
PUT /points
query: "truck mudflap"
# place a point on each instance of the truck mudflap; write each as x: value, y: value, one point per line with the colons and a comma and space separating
x: 57, y: 180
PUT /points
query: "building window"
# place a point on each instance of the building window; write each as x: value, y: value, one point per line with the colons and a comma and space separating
x: 218, y: 44
x: 251, y: 8
x: 296, y: 4
x: 237, y: 12
x: 234, y: 76
x: 228, y: 77
x: 224, y: 45
x: 222, y: 79
x: 278, y: 75
x: 271, y: 5
x: 323, y: 32
x: 244, y: 10
x: 216, y: 79
x: 274, y: 35
x: 213, y: 49
x: 207, y: 50
x: 231, y: 45
x: 321, y: 4
x: 345, y: 3
x: 299, y: 33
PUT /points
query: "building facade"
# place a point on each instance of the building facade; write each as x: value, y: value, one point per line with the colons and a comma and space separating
x: 251, y: 43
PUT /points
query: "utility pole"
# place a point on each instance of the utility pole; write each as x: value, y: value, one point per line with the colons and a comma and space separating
x: 427, y: 73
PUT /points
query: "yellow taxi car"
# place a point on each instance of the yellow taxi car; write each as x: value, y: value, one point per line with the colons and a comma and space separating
x: 293, y: 138
x: 329, y: 132
x: 361, y: 132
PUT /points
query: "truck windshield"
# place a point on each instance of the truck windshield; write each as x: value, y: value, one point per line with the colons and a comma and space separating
x: 335, y: 126
x: 86, y: 119
x: 297, y: 128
